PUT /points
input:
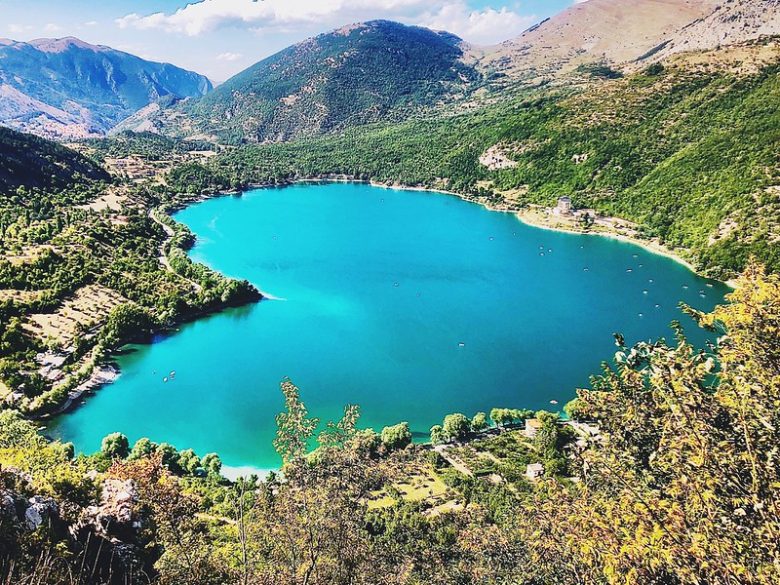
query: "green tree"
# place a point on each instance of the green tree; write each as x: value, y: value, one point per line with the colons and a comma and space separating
x: 396, y: 436
x: 576, y: 409
x: 212, y: 464
x: 189, y: 461
x: 170, y: 457
x: 456, y: 426
x: 143, y: 448
x: 125, y: 322
x: 437, y: 435
x: 294, y: 428
x: 115, y: 446
x: 366, y: 442
x: 501, y: 416
x: 479, y: 422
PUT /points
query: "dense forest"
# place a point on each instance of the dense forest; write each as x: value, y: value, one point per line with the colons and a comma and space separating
x: 29, y: 163
x: 679, y: 486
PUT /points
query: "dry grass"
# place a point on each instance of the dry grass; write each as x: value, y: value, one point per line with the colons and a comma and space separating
x: 27, y: 254
x: 21, y: 296
x: 420, y: 483
x: 111, y: 201
x: 86, y: 309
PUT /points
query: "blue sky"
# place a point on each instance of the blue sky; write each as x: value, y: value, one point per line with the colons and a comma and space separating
x: 221, y: 37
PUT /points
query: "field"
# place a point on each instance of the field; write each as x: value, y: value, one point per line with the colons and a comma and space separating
x: 82, y: 313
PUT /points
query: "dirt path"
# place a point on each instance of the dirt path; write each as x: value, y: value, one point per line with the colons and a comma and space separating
x: 452, y: 460
x: 163, y: 256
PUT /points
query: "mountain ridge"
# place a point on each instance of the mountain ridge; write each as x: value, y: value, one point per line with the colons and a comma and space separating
x: 564, y: 49
x: 67, y: 88
x: 31, y: 162
x: 359, y: 73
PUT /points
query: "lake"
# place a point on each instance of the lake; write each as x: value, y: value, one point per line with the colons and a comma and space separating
x: 411, y: 304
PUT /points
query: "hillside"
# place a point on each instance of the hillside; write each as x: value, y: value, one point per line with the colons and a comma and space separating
x: 728, y: 23
x: 665, y: 148
x: 609, y: 31
x: 382, y: 71
x: 626, y: 34
x: 361, y: 73
x: 35, y: 163
x: 66, y: 88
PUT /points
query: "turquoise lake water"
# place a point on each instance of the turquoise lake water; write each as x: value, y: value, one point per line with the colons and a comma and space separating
x: 412, y: 305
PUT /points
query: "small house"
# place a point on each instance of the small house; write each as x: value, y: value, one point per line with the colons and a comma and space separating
x: 563, y: 207
x: 534, y: 471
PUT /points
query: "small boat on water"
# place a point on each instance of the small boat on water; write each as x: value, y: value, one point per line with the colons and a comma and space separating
x: 165, y: 379
x: 461, y: 344
x: 553, y: 402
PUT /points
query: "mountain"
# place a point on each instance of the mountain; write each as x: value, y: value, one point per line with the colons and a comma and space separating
x: 728, y: 23
x: 383, y: 71
x: 36, y: 163
x: 361, y: 73
x: 66, y: 88
x: 627, y: 33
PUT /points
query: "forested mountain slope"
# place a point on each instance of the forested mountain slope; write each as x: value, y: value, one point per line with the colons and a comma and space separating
x: 361, y: 73
x: 29, y: 162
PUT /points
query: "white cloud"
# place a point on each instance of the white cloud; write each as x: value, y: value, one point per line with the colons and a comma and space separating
x: 479, y: 26
x: 229, y: 56
x: 274, y: 16
x: 91, y: 23
x: 18, y: 28
x: 52, y: 28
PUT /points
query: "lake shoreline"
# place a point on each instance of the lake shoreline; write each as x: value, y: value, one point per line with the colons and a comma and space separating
x: 524, y: 215
x: 520, y: 215
x: 650, y: 246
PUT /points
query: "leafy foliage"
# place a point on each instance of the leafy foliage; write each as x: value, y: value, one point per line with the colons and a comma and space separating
x: 679, y: 486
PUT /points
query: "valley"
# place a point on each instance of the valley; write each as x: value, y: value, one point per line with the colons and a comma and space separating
x: 529, y: 291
